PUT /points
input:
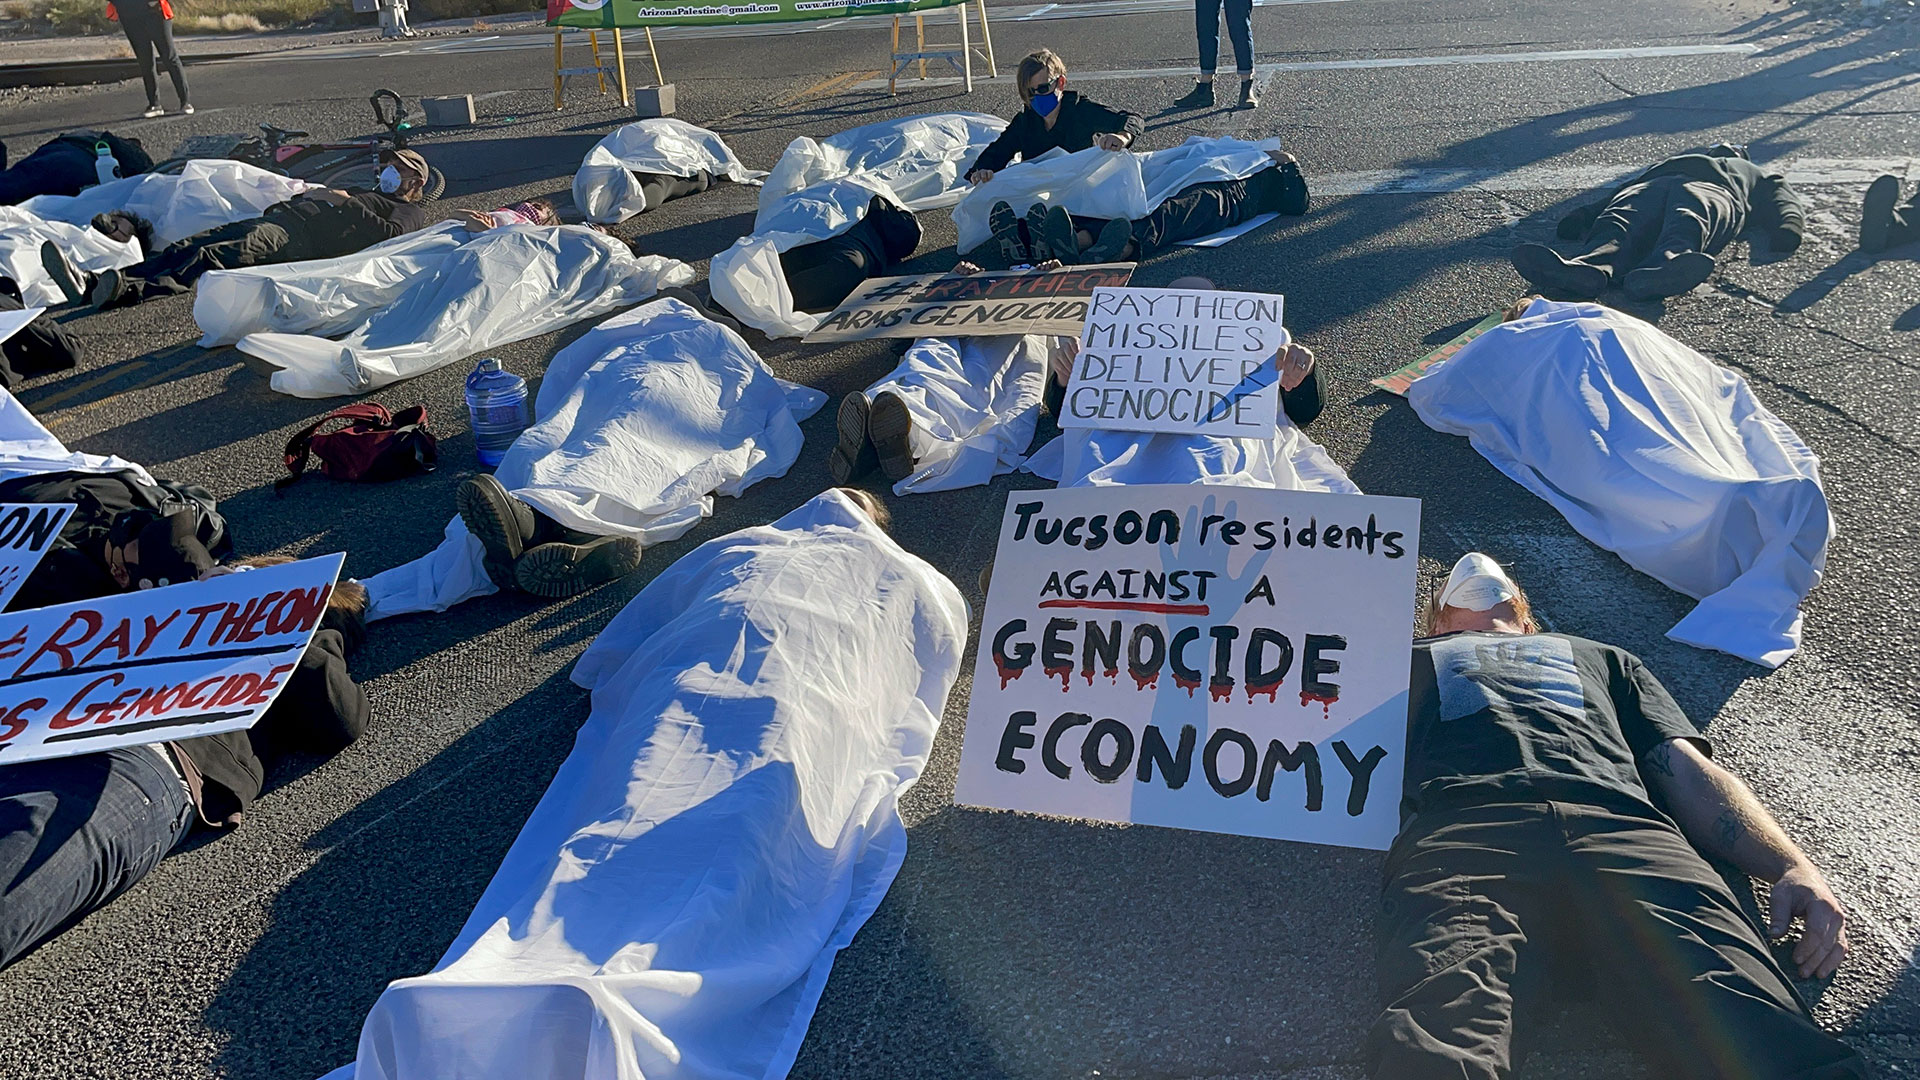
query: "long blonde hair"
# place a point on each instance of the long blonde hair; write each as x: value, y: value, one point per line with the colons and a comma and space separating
x: 1522, y: 610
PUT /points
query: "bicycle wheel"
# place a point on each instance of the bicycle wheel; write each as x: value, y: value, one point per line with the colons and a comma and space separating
x: 366, y: 176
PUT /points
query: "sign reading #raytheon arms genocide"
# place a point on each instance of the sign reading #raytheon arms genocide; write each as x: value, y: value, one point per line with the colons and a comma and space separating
x: 1177, y: 360
x: 1223, y: 659
x: 971, y: 305
x: 27, y: 530
x: 191, y: 659
x: 601, y: 14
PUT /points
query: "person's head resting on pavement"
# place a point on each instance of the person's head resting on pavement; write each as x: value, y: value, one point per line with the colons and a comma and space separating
x: 146, y: 550
x: 1478, y: 595
x: 346, y: 603
x: 1042, y: 72
x: 870, y: 505
x: 408, y: 180
x: 1193, y: 282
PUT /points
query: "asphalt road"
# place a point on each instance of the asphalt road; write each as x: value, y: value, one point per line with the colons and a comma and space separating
x: 1012, y: 946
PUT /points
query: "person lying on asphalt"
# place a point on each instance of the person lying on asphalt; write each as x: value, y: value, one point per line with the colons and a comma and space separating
x: 1884, y: 222
x: 1560, y: 812
x: 67, y: 164
x: 39, y: 348
x: 1657, y: 234
x: 825, y: 272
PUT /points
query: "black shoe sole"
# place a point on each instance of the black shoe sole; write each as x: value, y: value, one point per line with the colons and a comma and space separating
x: 557, y: 571
x: 62, y: 274
x: 1876, y: 213
x: 1037, y: 240
x: 1680, y: 274
x: 1544, y: 269
x: 488, y: 512
x: 890, y: 426
x: 854, y: 457
x: 1111, y: 244
x: 1062, y: 237
x: 1006, y: 233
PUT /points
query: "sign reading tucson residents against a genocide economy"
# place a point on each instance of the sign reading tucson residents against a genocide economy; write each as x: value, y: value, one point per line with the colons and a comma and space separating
x: 191, y: 659
x: 1177, y: 360
x: 1223, y: 659
x: 26, y: 531
x: 971, y: 305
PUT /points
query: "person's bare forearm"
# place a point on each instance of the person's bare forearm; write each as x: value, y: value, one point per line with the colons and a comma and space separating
x: 1719, y: 813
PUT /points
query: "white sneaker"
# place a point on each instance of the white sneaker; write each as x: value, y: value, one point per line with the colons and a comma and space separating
x: 153, y: 111
x: 187, y: 109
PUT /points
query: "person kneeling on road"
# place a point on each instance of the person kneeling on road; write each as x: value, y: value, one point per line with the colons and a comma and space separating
x: 1657, y: 234
x: 1558, y: 807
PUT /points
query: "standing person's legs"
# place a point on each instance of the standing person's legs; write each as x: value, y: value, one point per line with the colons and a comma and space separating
x: 77, y: 832
x: 1206, y: 29
x: 1680, y: 968
x: 1240, y: 32
x: 139, y: 33
x: 1701, y: 219
x: 170, y: 59
x: 1459, y: 974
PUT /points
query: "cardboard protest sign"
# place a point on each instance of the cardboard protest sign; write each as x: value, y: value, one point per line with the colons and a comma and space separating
x: 1215, y: 658
x: 1184, y: 360
x: 1397, y: 381
x: 971, y: 305
x: 27, y: 530
x: 191, y: 659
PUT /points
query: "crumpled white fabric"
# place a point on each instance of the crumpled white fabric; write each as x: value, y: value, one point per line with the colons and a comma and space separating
x: 1108, y: 184
x: 726, y: 822
x: 505, y: 285
x: 1653, y: 452
x: 641, y: 422
x: 205, y: 195
x: 974, y: 402
x: 87, y: 250
x: 746, y: 279
x: 918, y: 159
x: 605, y: 189
x: 27, y: 448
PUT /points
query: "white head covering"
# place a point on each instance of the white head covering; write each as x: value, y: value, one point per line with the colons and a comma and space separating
x: 1476, y: 584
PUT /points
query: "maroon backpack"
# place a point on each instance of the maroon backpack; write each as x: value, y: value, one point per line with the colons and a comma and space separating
x: 374, y: 445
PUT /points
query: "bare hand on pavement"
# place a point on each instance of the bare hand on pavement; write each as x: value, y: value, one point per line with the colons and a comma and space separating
x: 1803, y: 893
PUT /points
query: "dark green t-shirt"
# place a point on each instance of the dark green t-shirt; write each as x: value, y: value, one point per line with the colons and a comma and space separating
x: 1525, y: 717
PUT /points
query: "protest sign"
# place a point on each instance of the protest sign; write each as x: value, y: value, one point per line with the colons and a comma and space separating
x: 27, y: 530
x: 191, y: 659
x: 1215, y: 658
x: 1397, y: 380
x: 1184, y: 360
x: 971, y: 305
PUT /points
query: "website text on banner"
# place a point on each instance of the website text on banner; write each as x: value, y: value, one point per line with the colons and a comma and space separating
x: 196, y: 658
x: 986, y: 304
x: 1183, y: 360
x: 1222, y: 659
x: 606, y: 14
x: 27, y: 530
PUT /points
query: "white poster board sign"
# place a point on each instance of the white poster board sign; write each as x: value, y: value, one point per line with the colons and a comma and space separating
x: 196, y: 658
x: 1223, y: 659
x: 1184, y: 360
x: 27, y: 530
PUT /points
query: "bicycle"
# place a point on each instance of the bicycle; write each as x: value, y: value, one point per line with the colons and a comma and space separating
x: 350, y: 163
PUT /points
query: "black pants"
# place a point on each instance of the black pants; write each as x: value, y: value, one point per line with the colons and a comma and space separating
x: 657, y: 188
x: 1206, y: 22
x: 1484, y: 907
x: 1205, y: 209
x: 1654, y: 221
x: 40, y: 347
x: 152, y: 39
x: 174, y: 269
x: 825, y: 272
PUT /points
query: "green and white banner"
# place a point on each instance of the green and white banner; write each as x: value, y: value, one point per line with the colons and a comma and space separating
x: 606, y: 14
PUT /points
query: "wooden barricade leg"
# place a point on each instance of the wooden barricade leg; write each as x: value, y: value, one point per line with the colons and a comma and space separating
x: 920, y: 40
x: 986, y: 38
x: 658, y: 78
x: 966, y: 50
x: 894, y: 75
x: 593, y: 40
x: 620, y: 61
x: 558, y: 79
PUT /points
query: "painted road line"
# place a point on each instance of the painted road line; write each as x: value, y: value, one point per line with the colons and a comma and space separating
x: 1042, y: 10
x: 1267, y: 71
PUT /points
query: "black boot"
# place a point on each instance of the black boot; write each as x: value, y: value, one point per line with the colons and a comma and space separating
x: 1544, y: 269
x: 891, y: 427
x: 503, y: 524
x: 1200, y: 97
x: 1672, y: 274
x: 854, y: 456
x: 1876, y: 213
x: 567, y: 568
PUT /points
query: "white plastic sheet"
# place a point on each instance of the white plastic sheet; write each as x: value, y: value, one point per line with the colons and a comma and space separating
x: 974, y: 402
x: 204, y: 195
x: 1108, y: 184
x: 746, y: 279
x: 21, y: 234
x: 725, y: 824
x: 27, y: 448
x: 605, y: 189
x: 1654, y: 453
x: 641, y: 422
x: 505, y: 285
x: 1086, y: 457
x: 917, y: 159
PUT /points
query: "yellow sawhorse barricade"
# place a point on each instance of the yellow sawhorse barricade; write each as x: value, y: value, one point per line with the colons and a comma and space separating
x: 600, y: 69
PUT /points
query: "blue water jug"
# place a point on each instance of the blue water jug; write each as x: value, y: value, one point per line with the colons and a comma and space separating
x: 498, y: 407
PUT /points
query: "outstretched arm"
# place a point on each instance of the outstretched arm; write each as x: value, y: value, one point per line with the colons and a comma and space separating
x: 1721, y: 816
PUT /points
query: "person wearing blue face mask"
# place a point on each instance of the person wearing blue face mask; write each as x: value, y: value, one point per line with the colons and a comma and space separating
x: 1054, y: 116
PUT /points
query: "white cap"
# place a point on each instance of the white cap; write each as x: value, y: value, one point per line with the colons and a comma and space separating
x: 1476, y: 584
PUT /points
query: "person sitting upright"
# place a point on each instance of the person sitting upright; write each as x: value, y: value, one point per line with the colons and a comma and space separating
x: 1054, y: 117
x: 1657, y: 234
x: 1557, y: 806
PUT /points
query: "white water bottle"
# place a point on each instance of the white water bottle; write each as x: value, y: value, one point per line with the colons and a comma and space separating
x: 104, y: 166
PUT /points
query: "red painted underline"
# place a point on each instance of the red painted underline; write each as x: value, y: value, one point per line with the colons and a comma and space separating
x: 1128, y: 605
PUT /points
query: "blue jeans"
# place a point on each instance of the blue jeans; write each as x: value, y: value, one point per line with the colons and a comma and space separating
x: 76, y: 832
x: 1206, y: 22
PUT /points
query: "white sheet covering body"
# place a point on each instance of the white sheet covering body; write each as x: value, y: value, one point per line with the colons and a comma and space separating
x: 918, y: 159
x: 204, y: 195
x: 605, y: 189
x: 505, y: 285
x: 1654, y: 453
x: 1107, y: 184
x: 27, y: 448
x: 641, y: 422
x: 974, y: 401
x: 88, y: 251
x: 746, y: 279
x: 725, y: 824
